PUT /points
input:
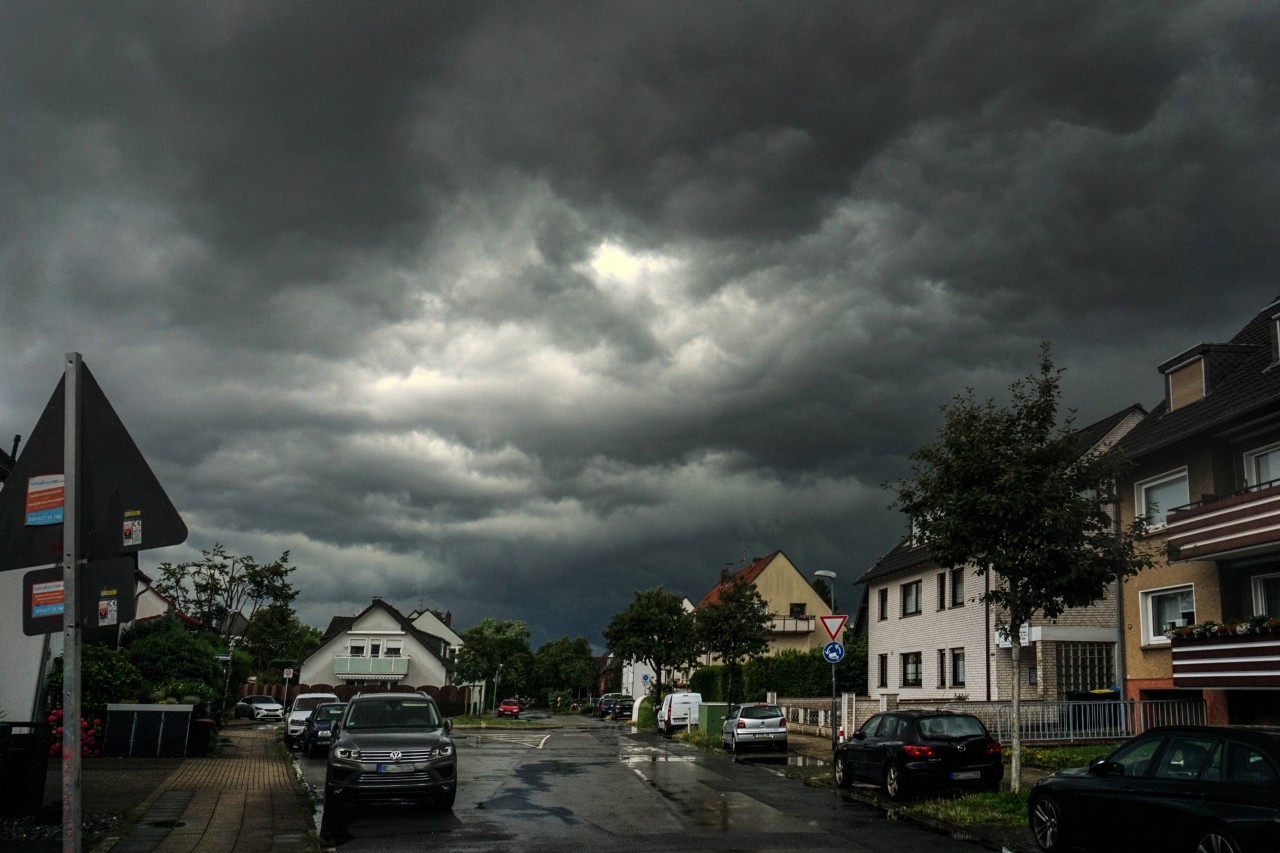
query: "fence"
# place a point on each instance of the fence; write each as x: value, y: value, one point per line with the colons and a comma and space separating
x: 1046, y: 722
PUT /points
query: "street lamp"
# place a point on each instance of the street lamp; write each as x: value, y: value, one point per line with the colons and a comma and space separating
x: 830, y: 578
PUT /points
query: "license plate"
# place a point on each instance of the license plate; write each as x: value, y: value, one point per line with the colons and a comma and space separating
x: 395, y: 768
x: 324, y: 734
x: 966, y: 774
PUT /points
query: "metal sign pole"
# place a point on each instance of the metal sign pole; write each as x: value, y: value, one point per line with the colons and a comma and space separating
x: 71, y: 800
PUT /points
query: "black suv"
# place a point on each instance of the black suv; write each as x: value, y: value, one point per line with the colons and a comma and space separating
x: 392, y: 745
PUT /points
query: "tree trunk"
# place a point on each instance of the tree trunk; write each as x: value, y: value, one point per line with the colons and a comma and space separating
x: 1015, y: 712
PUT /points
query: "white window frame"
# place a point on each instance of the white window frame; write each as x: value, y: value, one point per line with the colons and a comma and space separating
x: 1250, y: 463
x: 1259, y: 600
x: 363, y: 645
x: 1152, y: 634
x: 1140, y: 494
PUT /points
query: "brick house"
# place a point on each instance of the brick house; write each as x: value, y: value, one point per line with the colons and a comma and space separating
x: 931, y: 639
x: 1207, y: 478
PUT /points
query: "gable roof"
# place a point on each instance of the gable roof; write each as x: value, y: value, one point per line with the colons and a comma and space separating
x: 1243, y: 378
x: 745, y: 575
x: 339, y: 625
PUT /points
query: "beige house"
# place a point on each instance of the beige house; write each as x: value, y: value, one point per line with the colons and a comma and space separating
x: 793, y: 603
x: 375, y: 649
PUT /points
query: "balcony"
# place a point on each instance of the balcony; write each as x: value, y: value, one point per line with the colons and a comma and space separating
x: 794, y: 624
x: 365, y: 669
x: 1230, y: 661
x: 1227, y: 526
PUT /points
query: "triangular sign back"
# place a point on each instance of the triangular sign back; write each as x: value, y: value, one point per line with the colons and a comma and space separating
x: 833, y: 625
x: 123, y: 509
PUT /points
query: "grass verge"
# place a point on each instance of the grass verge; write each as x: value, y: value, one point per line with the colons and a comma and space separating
x: 999, y: 809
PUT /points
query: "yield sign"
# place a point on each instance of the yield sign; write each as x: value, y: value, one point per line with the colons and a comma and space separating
x: 833, y: 625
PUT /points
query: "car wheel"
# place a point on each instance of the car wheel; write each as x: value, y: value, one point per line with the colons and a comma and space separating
x: 894, y: 785
x: 844, y: 779
x: 733, y: 745
x: 1217, y: 841
x: 1045, y: 817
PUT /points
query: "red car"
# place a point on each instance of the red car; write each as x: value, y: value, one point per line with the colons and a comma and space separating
x: 509, y: 708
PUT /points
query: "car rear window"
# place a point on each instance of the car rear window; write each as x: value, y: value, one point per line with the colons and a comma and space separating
x: 949, y: 727
x: 761, y: 712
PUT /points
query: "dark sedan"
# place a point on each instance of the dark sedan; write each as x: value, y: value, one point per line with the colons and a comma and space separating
x: 1198, y: 789
x: 317, y: 731
x: 909, y: 751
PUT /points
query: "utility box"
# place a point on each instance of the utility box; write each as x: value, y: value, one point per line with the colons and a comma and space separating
x: 147, y: 731
x: 711, y: 716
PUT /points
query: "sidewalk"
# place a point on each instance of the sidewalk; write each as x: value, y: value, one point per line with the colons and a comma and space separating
x: 247, y: 798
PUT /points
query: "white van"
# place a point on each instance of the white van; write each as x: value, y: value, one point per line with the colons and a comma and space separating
x: 678, y: 711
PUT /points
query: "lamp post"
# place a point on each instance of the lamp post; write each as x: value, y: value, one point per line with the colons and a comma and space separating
x: 830, y: 578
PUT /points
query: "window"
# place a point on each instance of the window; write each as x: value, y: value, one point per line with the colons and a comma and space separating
x: 375, y: 648
x: 942, y: 591
x: 1086, y: 666
x: 797, y: 610
x: 394, y: 648
x: 884, y: 603
x: 911, y: 598
x: 1262, y: 466
x: 942, y: 667
x: 1033, y: 675
x: 1266, y: 595
x: 1163, y: 609
x: 1157, y: 496
x: 911, y: 668
x: 957, y: 587
x: 355, y: 648
x: 882, y: 676
x: 957, y: 667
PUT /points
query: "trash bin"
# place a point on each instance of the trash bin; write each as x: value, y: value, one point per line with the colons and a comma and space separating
x: 24, y: 762
x: 200, y: 737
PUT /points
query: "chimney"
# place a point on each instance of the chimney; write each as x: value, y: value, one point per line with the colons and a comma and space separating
x: 448, y: 618
x: 726, y: 572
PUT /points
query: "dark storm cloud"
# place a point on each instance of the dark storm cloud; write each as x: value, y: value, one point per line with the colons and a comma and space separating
x: 514, y: 309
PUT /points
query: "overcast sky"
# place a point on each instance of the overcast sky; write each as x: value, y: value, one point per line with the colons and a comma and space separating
x: 514, y: 309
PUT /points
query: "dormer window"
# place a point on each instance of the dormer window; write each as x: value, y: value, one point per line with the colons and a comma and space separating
x: 1186, y: 384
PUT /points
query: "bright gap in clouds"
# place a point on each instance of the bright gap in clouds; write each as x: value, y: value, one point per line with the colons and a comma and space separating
x: 611, y: 261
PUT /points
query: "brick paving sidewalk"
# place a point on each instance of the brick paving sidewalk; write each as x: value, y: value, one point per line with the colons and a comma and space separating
x: 246, y: 799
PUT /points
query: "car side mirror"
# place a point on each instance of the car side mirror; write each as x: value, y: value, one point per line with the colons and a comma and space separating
x: 448, y: 724
x: 1099, y: 766
x: 335, y: 728
x: 859, y: 735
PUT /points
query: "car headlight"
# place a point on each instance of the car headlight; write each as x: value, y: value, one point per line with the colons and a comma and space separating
x: 442, y: 751
x: 347, y: 753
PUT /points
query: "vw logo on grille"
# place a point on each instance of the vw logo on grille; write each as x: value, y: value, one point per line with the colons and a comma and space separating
x: 396, y: 755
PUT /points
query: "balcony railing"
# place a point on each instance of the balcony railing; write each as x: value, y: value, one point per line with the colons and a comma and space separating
x: 1233, y: 525
x: 794, y: 624
x: 389, y: 668
x: 1232, y: 661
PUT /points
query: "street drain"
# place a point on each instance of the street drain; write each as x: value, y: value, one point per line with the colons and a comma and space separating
x: 166, y: 824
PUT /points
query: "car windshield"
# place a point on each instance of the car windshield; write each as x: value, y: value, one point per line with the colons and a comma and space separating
x: 328, y: 713
x: 761, y: 712
x: 393, y: 714
x: 306, y: 703
x: 948, y: 727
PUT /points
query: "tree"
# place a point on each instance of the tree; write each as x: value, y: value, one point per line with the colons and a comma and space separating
x: 274, y: 633
x: 736, y: 627
x: 220, y: 586
x: 654, y: 629
x: 565, y: 665
x: 495, y: 651
x: 1012, y: 492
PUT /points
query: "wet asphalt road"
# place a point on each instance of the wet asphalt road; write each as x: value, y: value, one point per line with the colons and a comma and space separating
x: 601, y: 786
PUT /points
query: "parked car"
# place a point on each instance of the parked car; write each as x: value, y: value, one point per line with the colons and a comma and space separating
x: 754, y: 725
x: 261, y: 708
x: 509, y: 708
x: 623, y: 707
x: 317, y: 730
x: 910, y: 751
x: 607, y: 702
x: 677, y: 711
x: 392, y: 745
x: 298, y: 712
x: 1195, y: 788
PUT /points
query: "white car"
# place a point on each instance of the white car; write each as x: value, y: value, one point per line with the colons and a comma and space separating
x: 678, y: 711
x: 758, y: 724
x: 303, y: 705
x: 260, y: 708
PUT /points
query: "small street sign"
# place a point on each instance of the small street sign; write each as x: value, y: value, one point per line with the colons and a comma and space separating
x: 833, y: 652
x: 288, y: 673
x: 833, y: 625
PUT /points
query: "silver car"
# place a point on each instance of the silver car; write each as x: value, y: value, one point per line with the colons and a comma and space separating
x: 759, y: 725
